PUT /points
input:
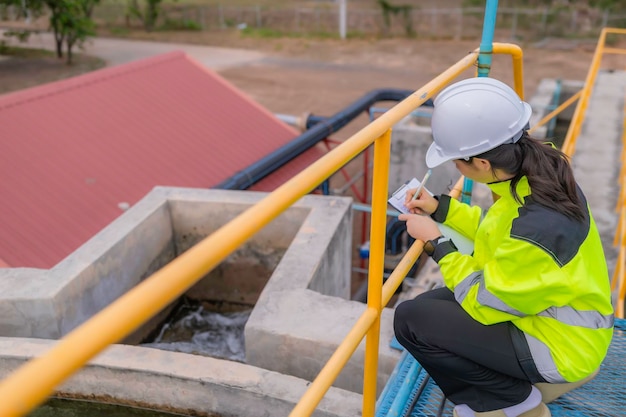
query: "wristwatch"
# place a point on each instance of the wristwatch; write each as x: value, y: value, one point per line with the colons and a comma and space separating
x: 429, y: 245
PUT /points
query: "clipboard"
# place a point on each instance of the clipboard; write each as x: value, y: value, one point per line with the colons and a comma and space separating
x: 465, y: 245
x: 397, y: 197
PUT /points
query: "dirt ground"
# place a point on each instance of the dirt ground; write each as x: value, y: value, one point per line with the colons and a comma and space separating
x: 323, y: 76
x: 21, y: 72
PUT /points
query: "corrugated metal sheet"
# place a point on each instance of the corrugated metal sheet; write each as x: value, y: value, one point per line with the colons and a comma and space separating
x: 73, y: 151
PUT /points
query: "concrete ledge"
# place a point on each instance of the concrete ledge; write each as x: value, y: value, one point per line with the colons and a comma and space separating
x: 181, y: 383
x: 542, y: 103
x: 303, y: 329
x: 50, y: 303
x: 301, y: 312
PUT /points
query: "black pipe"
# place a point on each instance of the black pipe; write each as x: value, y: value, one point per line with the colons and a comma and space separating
x: 321, y: 129
x: 312, y: 119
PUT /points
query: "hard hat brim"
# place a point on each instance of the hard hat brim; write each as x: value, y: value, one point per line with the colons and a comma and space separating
x: 434, y: 158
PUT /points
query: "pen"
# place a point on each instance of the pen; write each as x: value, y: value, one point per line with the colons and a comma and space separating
x: 422, y: 184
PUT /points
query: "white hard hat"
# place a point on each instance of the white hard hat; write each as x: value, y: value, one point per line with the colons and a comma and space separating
x: 473, y: 116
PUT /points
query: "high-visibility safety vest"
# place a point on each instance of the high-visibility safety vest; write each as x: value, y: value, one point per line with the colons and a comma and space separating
x: 540, y: 270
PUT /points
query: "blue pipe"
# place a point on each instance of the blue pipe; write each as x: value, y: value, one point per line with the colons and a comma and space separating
x: 368, y: 209
x: 485, y: 54
x: 556, y: 99
x: 325, y: 188
x: 318, y: 132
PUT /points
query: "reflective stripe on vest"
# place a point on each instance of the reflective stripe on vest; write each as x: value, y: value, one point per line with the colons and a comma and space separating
x: 543, y: 360
x: 589, y: 319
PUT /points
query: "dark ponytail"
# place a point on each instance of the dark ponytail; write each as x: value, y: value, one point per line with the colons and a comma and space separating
x: 549, y: 174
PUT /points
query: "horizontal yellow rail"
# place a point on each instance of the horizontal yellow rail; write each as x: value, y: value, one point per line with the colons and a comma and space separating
x: 556, y: 111
x: 618, y: 283
x: 32, y: 383
x: 569, y: 144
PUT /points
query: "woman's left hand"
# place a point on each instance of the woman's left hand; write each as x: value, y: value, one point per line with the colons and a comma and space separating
x: 420, y: 227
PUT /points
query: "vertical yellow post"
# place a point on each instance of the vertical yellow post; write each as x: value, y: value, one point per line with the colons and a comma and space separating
x: 380, y: 183
x: 569, y: 143
x: 518, y: 72
x: 517, y: 56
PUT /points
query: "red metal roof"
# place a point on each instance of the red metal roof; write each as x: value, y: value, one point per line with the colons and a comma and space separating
x: 74, y: 150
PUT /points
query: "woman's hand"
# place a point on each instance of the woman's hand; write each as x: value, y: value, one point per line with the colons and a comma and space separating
x: 420, y: 227
x: 424, y: 204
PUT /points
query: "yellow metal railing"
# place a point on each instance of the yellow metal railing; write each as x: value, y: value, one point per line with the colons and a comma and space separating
x: 31, y: 384
x: 556, y: 111
x: 338, y: 360
x: 323, y: 382
x: 617, y: 283
x: 569, y: 145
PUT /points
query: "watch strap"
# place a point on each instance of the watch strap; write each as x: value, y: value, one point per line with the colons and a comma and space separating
x: 440, y: 214
x: 429, y: 245
x: 442, y: 248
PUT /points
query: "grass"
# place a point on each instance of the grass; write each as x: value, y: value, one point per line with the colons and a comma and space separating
x: 28, y: 67
x: 269, y: 33
x: 180, y: 24
x: 246, y: 3
x: 351, y: 4
x: 26, y: 53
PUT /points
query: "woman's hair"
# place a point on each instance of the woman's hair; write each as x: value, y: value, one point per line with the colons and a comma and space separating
x: 548, y: 171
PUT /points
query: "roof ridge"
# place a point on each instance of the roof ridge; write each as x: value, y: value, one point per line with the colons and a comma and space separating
x: 46, y: 90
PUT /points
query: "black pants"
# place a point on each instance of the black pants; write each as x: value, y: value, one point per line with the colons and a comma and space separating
x: 472, y: 363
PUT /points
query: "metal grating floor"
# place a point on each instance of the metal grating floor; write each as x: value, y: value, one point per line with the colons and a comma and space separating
x: 411, y: 393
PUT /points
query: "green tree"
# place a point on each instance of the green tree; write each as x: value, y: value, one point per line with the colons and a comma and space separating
x: 148, y: 14
x: 613, y: 5
x: 405, y: 10
x: 33, y: 11
x: 70, y: 20
x: 71, y: 23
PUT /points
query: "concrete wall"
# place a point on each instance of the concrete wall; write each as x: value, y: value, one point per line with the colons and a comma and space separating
x: 177, y: 382
x: 305, y: 310
x: 241, y: 277
x: 302, y: 310
x: 542, y: 104
x: 308, y: 333
x: 50, y: 303
x: 410, y: 140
